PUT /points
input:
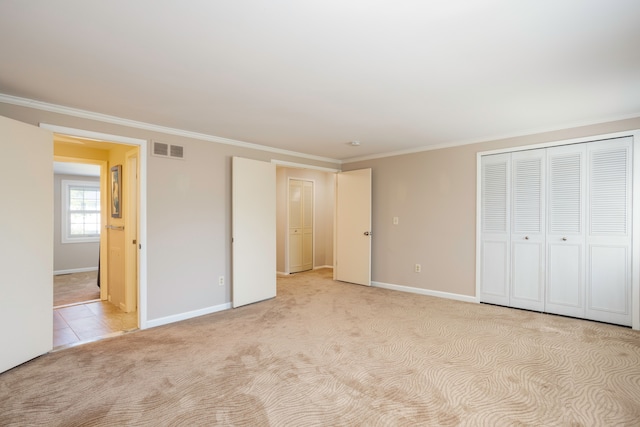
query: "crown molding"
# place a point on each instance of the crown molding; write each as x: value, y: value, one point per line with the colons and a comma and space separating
x: 75, y: 112
x: 491, y: 138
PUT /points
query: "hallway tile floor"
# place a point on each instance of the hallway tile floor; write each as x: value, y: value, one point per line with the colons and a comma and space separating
x: 89, y: 321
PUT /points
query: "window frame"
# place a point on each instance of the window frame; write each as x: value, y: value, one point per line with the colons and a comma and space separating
x: 65, y: 190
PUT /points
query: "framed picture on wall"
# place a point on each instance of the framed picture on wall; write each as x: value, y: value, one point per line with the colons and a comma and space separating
x: 116, y: 191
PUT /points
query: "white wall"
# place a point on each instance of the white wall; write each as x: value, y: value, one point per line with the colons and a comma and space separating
x: 70, y: 256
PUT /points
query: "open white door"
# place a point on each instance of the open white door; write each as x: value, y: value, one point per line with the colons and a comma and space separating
x: 353, y: 227
x: 253, y: 231
x: 26, y: 249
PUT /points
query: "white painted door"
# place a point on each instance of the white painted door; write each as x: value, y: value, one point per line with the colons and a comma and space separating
x: 253, y: 231
x: 528, y: 229
x: 566, y: 174
x: 495, y: 253
x: 26, y: 249
x: 608, y: 273
x: 300, y: 225
x: 353, y: 227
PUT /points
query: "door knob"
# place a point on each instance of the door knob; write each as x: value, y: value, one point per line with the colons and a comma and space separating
x: 368, y: 233
x: 564, y: 239
x: 526, y: 237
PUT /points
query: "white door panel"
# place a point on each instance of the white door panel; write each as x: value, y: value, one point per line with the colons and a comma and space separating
x: 26, y: 252
x: 566, y: 186
x: 608, y: 287
x: 495, y: 252
x: 353, y: 227
x: 528, y: 229
x: 253, y: 231
x: 495, y: 271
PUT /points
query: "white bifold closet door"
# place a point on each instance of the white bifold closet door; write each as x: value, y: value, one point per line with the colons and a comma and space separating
x: 496, y: 212
x: 556, y: 230
x: 608, y: 239
x: 566, y: 235
x: 528, y: 230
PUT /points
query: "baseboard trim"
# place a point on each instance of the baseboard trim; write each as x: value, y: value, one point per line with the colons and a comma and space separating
x: 322, y: 266
x: 420, y: 291
x: 74, y: 270
x: 188, y: 315
x: 281, y: 273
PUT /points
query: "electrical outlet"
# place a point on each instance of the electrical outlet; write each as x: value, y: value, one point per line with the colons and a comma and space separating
x: 395, y: 220
x: 418, y: 268
x: 221, y: 280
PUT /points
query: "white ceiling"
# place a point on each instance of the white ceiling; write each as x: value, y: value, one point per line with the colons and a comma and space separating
x: 310, y: 76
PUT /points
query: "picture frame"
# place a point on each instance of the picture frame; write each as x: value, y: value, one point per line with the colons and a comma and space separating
x: 116, y: 191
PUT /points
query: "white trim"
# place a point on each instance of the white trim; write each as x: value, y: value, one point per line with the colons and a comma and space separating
x: 635, y: 225
x: 490, y: 138
x: 75, y: 112
x: 427, y: 292
x: 282, y: 273
x: 142, y: 183
x: 302, y: 166
x: 635, y: 234
x: 322, y: 266
x: 74, y: 270
x: 187, y: 315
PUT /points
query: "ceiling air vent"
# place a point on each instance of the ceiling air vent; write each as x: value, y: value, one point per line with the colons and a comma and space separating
x: 161, y: 149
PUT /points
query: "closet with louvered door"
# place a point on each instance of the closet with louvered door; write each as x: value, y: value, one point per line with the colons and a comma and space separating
x: 556, y: 230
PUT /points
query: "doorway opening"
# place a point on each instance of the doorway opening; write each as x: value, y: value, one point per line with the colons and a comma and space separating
x: 102, y: 215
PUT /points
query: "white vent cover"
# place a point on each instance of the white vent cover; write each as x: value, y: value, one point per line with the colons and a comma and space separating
x: 161, y: 149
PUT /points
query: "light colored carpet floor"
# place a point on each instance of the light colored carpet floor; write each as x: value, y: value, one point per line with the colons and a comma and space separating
x: 75, y: 288
x: 329, y: 353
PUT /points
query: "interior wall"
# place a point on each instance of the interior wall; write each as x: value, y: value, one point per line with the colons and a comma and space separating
x: 433, y: 194
x: 70, y: 256
x: 324, y: 202
x: 188, y: 213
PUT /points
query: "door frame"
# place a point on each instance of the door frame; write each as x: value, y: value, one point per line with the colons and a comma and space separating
x: 142, y: 144
x: 287, y: 265
x: 635, y: 203
x: 293, y: 165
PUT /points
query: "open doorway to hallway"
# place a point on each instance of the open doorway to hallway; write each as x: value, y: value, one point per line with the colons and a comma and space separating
x: 96, y: 241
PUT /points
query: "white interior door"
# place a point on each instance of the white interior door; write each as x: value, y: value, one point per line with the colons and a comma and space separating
x: 26, y: 252
x: 608, y: 262
x: 528, y: 229
x: 566, y: 230
x: 253, y: 231
x: 495, y: 252
x: 300, y: 225
x: 353, y: 227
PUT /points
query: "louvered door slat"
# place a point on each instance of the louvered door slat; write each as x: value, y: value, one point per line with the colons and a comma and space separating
x: 608, y: 288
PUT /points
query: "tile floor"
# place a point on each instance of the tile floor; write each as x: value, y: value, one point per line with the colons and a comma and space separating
x: 89, y: 321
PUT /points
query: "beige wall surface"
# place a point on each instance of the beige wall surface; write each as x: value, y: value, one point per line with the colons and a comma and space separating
x: 70, y: 256
x: 324, y: 202
x: 433, y: 194
x: 188, y: 213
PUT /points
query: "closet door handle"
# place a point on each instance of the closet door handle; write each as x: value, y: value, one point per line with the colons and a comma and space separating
x: 564, y: 239
x: 526, y: 237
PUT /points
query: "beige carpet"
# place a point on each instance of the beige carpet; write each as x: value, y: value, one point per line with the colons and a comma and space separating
x: 327, y: 353
x: 75, y: 288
